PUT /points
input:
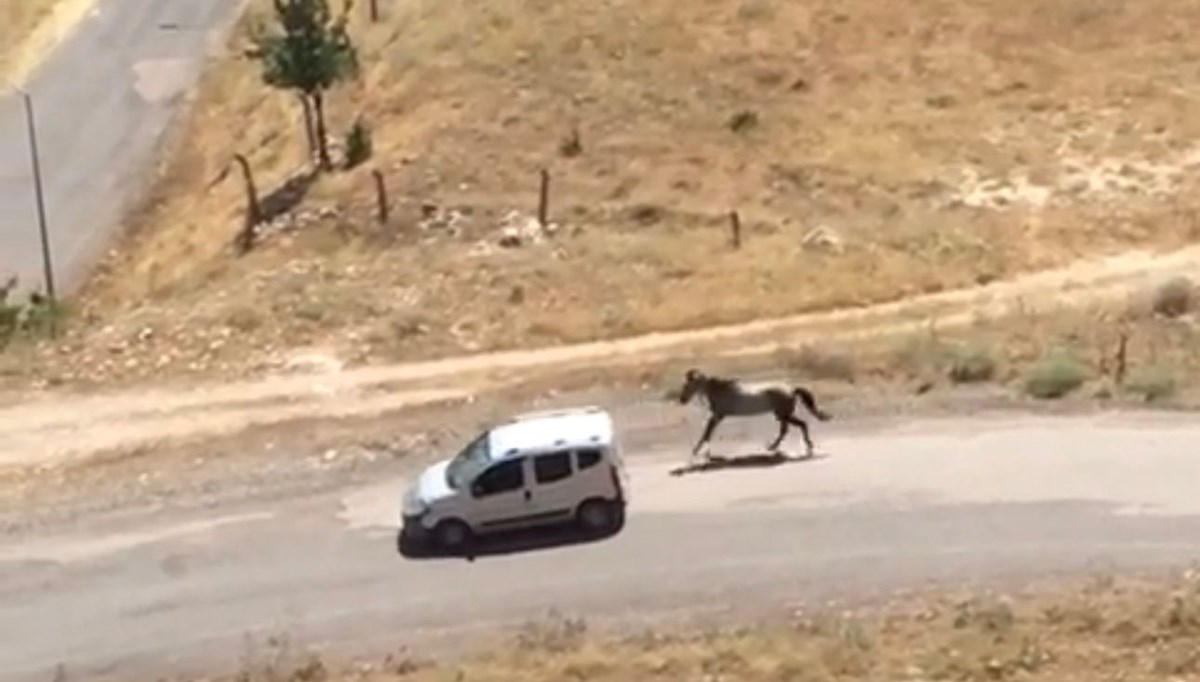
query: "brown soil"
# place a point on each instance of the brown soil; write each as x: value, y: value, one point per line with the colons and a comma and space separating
x: 878, y: 152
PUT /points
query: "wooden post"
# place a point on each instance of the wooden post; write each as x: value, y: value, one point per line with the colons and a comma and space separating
x: 735, y: 225
x: 254, y: 214
x: 544, y: 199
x: 381, y: 197
x: 374, y: 11
x: 1122, y: 357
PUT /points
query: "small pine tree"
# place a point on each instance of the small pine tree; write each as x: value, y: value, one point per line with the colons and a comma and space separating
x: 358, y: 144
x: 308, y: 50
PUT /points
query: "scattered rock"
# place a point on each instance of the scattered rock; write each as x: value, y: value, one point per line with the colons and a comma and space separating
x: 824, y: 239
x: 314, y: 363
x: 435, y: 218
x: 517, y: 230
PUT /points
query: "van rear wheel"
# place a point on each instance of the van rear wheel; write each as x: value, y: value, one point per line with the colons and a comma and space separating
x: 596, y: 516
x: 452, y: 534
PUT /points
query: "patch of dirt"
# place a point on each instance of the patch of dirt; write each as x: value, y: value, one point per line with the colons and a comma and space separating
x: 59, y: 426
x: 933, y: 146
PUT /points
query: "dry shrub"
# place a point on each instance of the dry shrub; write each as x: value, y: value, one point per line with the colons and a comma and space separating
x: 1133, y: 631
x: 971, y: 364
x: 1174, y: 297
x: 820, y: 364
x: 555, y: 634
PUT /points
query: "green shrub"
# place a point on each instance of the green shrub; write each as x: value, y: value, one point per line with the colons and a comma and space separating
x: 571, y: 145
x: 743, y: 121
x: 37, y: 317
x: 1056, y: 374
x: 10, y: 322
x: 1152, y: 383
x: 359, y: 146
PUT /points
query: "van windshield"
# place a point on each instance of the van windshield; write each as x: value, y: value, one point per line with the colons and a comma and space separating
x: 467, y: 464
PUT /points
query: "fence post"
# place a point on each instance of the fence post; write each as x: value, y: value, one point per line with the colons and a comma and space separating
x: 381, y: 197
x: 544, y: 199
x: 1122, y: 357
x: 735, y: 226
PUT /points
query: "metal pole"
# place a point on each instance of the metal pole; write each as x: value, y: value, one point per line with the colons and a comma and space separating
x: 41, y: 202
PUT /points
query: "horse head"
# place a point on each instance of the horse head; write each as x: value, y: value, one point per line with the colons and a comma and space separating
x: 693, y: 380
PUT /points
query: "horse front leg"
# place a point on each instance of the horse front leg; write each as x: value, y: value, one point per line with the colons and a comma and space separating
x: 783, y: 429
x: 708, y: 432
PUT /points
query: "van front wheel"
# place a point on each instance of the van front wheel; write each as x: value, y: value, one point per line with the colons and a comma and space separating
x: 597, y: 516
x: 452, y: 534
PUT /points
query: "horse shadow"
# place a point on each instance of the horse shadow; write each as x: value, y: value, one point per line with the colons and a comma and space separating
x: 506, y: 542
x: 756, y: 460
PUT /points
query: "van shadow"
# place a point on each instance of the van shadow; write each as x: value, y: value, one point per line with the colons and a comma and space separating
x: 506, y: 542
x: 757, y: 460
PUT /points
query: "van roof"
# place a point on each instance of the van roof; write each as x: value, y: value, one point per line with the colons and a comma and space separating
x: 577, y: 427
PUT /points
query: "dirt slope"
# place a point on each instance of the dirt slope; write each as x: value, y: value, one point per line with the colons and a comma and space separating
x: 931, y: 145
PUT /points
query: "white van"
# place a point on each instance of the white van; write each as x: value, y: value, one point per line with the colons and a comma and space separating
x: 537, y: 469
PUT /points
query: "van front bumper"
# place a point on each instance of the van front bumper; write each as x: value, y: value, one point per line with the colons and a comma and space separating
x: 412, y: 528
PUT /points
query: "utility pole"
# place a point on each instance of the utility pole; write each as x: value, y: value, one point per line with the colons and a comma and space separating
x: 35, y: 160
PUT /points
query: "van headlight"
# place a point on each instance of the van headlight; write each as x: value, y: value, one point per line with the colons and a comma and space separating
x: 413, y: 505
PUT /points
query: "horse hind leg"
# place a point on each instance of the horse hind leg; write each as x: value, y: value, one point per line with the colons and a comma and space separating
x: 804, y: 431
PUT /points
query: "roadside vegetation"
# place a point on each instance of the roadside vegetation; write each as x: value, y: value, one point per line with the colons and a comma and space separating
x: 752, y: 160
x: 18, y: 19
x: 29, y: 29
x: 1125, y: 629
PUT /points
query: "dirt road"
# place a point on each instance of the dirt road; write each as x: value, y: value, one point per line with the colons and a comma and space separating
x: 892, y: 505
x: 107, y: 78
x: 60, y: 427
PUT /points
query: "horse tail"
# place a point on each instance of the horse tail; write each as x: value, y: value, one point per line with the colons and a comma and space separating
x: 810, y: 402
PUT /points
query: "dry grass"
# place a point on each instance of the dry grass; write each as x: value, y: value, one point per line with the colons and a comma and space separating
x: 1107, y: 629
x: 30, y: 29
x: 18, y: 19
x: 881, y: 123
x: 1050, y: 353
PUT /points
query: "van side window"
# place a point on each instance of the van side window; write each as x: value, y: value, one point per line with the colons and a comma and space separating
x: 588, y: 458
x: 552, y: 467
x: 504, y: 477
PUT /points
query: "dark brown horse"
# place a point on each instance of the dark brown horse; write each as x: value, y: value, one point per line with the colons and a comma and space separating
x: 728, y: 398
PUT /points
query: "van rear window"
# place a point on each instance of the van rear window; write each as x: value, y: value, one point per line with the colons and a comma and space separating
x: 588, y: 458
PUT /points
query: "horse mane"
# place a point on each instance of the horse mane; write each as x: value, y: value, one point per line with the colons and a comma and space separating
x: 722, y: 382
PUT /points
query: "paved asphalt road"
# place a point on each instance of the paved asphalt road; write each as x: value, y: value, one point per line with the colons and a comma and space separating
x: 983, y: 499
x: 103, y: 100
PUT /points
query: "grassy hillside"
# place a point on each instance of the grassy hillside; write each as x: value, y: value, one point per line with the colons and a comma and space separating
x: 29, y: 27
x: 873, y: 151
